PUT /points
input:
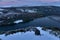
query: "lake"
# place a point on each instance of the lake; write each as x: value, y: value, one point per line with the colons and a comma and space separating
x: 45, y: 28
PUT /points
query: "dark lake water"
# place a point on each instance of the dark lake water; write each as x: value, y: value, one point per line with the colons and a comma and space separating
x: 37, y: 24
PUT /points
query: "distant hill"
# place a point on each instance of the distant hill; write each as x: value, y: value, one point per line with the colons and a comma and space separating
x: 44, y: 9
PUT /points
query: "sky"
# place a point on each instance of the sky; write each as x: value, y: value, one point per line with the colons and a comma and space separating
x: 28, y: 2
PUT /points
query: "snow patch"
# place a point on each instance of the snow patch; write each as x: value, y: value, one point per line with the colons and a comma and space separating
x: 18, y: 21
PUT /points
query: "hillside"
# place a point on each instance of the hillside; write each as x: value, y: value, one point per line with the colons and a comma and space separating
x: 10, y: 14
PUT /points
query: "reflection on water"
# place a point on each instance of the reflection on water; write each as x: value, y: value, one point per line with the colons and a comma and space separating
x: 37, y: 32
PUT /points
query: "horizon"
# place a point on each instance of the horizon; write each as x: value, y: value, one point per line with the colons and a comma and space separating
x: 29, y: 2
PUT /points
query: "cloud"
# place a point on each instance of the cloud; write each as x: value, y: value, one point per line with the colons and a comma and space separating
x: 41, y: 0
x: 49, y: 0
x: 31, y: 0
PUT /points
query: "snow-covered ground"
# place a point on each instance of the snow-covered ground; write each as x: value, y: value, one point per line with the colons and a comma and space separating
x: 1, y: 9
x: 30, y: 36
x: 18, y: 21
x: 31, y: 11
